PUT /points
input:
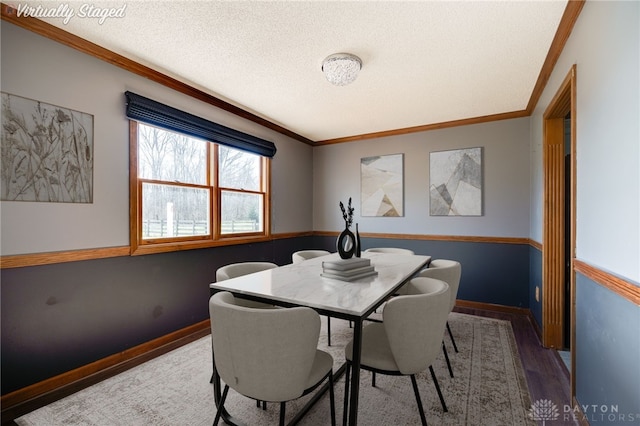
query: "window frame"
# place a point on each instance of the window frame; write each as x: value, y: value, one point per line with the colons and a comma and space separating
x: 139, y: 246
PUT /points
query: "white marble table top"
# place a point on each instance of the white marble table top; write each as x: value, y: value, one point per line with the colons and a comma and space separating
x: 301, y: 284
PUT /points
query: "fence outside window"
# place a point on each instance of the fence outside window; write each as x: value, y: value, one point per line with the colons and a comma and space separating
x: 183, y: 228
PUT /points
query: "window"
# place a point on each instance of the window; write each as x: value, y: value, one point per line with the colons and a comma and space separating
x: 241, y: 197
x: 190, y: 192
x: 172, y: 176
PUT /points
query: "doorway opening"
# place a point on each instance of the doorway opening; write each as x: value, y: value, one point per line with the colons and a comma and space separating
x: 567, y: 233
x: 559, y: 236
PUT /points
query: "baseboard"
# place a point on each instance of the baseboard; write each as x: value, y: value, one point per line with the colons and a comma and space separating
x: 504, y: 309
x: 535, y: 325
x: 493, y: 307
x: 27, y: 399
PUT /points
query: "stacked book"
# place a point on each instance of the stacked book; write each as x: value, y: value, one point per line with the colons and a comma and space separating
x: 348, y: 269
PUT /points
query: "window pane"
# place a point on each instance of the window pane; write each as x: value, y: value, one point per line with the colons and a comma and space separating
x: 170, y: 156
x: 174, y: 211
x: 238, y: 169
x: 241, y: 212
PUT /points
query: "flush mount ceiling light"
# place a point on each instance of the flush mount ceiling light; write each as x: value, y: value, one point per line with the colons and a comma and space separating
x: 341, y: 68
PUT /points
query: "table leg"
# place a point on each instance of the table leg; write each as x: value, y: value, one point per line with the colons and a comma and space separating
x: 355, y: 372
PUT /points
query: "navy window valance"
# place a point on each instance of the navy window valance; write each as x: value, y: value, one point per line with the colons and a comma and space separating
x: 151, y: 112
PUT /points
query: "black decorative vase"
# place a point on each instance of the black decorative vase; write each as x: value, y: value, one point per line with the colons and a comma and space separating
x: 346, y: 244
x: 358, y: 245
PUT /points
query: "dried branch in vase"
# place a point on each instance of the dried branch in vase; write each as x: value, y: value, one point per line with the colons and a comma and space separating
x: 347, y: 214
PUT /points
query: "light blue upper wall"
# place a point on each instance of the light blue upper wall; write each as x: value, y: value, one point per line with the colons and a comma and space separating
x: 38, y: 68
x: 605, y: 46
x: 336, y: 177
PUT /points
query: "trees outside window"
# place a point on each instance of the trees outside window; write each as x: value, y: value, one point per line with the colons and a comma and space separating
x: 188, y: 191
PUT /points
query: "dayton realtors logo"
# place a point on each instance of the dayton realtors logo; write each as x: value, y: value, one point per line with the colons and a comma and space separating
x: 544, y: 410
x: 66, y: 12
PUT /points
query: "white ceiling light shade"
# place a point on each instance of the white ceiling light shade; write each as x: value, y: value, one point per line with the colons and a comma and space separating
x: 341, y: 68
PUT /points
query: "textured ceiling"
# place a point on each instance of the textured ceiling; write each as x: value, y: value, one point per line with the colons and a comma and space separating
x: 424, y: 62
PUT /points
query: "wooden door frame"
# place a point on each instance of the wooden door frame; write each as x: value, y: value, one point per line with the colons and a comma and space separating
x: 553, y: 252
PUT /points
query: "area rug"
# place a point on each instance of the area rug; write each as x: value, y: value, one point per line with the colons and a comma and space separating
x: 489, y: 388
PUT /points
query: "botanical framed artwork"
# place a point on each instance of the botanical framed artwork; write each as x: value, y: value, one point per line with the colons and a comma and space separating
x: 47, y: 152
x: 455, y: 182
x: 382, y: 186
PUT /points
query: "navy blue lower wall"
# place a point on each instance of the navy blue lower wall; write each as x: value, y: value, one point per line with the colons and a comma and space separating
x: 607, y: 355
x: 491, y: 272
x: 535, y: 279
x: 59, y: 317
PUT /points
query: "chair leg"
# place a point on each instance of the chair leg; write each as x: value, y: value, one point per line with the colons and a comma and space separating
x: 373, y: 379
x: 418, y: 400
x: 282, y: 410
x: 446, y: 357
x: 264, y: 405
x: 221, y: 405
x: 328, y: 331
x: 455, y: 347
x: 347, y: 377
x: 332, y: 400
x: 435, y: 382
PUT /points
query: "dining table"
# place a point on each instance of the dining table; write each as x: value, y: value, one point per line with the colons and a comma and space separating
x: 302, y: 284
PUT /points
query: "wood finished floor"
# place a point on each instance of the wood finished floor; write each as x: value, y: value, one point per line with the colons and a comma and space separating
x: 547, y: 376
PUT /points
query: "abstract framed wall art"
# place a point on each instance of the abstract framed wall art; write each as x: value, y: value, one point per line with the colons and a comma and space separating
x: 455, y: 185
x: 47, y: 152
x: 382, y: 186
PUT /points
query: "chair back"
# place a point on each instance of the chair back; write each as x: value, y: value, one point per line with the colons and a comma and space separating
x: 395, y: 250
x: 303, y: 255
x: 266, y: 354
x: 415, y: 324
x: 448, y: 271
x: 243, y: 268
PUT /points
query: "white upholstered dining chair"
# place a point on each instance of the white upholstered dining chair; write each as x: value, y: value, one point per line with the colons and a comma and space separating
x: 234, y: 270
x: 267, y: 354
x: 396, y: 250
x: 450, y: 272
x: 301, y: 256
x: 408, y: 339
x: 392, y: 250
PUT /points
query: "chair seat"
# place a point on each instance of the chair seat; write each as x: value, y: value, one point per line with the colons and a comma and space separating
x: 376, y: 352
x: 322, y: 363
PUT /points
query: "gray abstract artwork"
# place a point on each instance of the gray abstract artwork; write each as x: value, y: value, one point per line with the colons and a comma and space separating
x: 382, y: 185
x: 456, y: 182
x: 47, y: 152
